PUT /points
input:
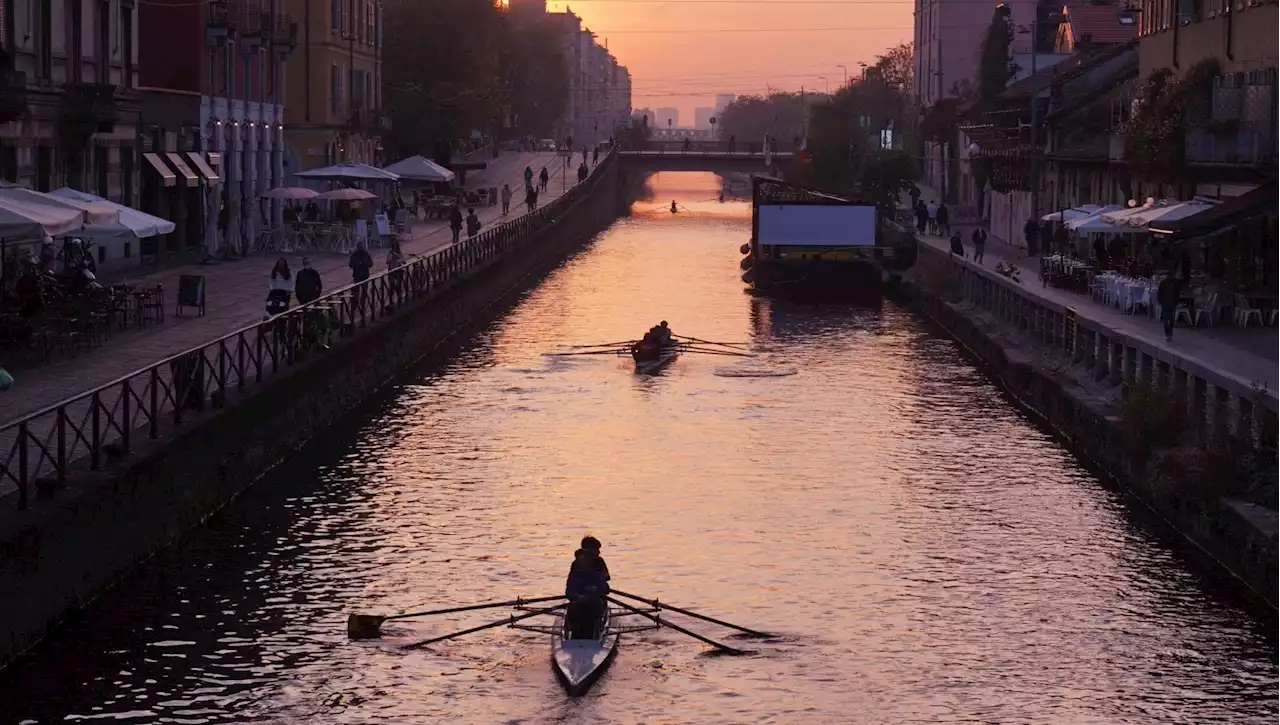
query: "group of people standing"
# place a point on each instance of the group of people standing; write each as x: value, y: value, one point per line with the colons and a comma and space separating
x: 931, y: 218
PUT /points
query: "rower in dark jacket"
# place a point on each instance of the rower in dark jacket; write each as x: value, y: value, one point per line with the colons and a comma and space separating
x: 586, y: 587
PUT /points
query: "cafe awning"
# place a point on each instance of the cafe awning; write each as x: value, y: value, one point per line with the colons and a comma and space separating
x: 180, y: 165
x: 161, y: 169
x: 203, y: 167
x: 1259, y: 201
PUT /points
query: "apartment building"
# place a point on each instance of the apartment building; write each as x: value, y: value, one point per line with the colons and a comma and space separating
x: 213, y: 77
x: 69, y: 100
x: 335, y: 112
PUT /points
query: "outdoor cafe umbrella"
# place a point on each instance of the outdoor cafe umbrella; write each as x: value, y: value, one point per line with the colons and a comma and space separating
x: 20, y: 220
x: 419, y: 168
x: 290, y: 193
x: 131, y: 221
x: 92, y: 212
x: 354, y: 172
x: 346, y: 195
x: 1072, y: 214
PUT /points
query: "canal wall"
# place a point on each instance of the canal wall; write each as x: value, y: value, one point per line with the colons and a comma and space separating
x: 1194, y: 447
x: 96, y: 516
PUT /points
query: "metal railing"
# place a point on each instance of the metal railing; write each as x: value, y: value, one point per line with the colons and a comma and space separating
x: 712, y: 147
x: 105, y: 424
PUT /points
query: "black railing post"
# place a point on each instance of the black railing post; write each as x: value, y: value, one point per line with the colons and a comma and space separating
x: 126, y: 410
x: 23, y: 475
x: 154, y: 423
x: 95, y: 445
x: 62, y: 444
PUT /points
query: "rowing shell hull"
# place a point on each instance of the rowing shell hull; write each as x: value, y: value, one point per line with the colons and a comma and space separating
x: 649, y: 367
x: 578, y: 663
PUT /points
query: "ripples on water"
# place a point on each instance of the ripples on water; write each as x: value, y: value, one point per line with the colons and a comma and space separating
x: 926, y: 554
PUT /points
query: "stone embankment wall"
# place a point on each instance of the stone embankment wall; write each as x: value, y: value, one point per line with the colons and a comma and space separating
x: 60, y: 552
x: 1075, y: 378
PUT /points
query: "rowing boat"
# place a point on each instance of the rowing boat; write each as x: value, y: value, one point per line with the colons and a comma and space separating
x: 650, y: 366
x: 580, y: 662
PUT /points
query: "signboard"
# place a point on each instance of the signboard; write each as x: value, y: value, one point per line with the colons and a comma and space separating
x: 816, y: 225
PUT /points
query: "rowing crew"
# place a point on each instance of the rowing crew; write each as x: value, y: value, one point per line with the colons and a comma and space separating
x: 586, y: 587
x: 658, y: 337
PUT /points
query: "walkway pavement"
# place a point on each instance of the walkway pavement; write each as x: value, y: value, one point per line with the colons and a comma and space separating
x: 1249, y: 354
x: 236, y: 295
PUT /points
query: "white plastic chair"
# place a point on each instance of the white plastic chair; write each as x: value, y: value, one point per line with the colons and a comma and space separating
x: 384, y: 226
x: 402, y: 221
x: 1244, y: 312
x: 362, y: 231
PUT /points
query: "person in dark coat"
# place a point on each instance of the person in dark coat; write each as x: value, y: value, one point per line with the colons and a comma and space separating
x: 957, y: 245
x: 455, y: 222
x: 531, y: 197
x: 1167, y: 296
x: 979, y: 239
x: 360, y: 263
x: 582, y: 172
x: 543, y: 178
x: 473, y: 223
x: 307, y: 287
x: 1102, y: 259
x: 1031, y: 231
x: 944, y: 219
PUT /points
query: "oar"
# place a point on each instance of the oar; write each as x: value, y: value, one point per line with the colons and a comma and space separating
x: 717, y: 352
x: 360, y: 626
x: 678, y: 628
x: 713, y: 620
x: 585, y: 352
x: 708, y: 342
x: 603, y: 344
x: 499, y: 623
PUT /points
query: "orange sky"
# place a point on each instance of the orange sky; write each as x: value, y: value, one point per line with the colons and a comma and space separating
x: 687, y: 68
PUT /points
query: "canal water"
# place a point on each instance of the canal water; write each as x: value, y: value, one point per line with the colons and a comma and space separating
x: 923, y: 553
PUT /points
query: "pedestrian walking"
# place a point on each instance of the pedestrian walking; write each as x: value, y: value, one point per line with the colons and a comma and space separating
x: 307, y: 286
x: 931, y: 210
x: 455, y: 221
x: 543, y: 178
x: 944, y: 220
x: 595, y: 155
x: 979, y: 239
x: 1167, y: 295
x: 280, y: 288
x: 1031, y: 231
x: 922, y: 216
x: 360, y: 263
x: 531, y: 198
x: 395, y: 257
x: 528, y: 176
x: 506, y: 199
x: 957, y: 245
x: 473, y: 223
x: 582, y: 172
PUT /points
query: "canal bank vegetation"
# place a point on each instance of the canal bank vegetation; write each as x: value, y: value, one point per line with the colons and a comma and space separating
x: 463, y: 65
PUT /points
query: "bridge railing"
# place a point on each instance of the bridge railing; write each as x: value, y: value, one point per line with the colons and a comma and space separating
x: 737, y: 148
x: 105, y: 424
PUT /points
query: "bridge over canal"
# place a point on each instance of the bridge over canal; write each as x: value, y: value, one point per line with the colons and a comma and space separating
x: 713, y: 156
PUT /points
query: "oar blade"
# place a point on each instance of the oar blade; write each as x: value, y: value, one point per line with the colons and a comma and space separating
x: 364, y: 626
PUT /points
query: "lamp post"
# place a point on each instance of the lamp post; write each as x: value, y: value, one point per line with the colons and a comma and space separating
x: 825, y: 84
x: 846, y: 75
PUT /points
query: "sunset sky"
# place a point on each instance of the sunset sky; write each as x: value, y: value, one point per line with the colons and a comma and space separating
x: 682, y: 52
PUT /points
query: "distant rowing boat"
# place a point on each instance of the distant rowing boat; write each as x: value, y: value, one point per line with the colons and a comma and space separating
x: 657, y: 350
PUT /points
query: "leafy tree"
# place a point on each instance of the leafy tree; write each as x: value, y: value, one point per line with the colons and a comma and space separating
x: 452, y: 66
x: 995, y: 67
x: 883, y: 177
x: 750, y: 118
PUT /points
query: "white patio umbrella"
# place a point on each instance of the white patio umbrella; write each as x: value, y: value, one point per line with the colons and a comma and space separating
x: 359, y: 172
x: 1165, y: 213
x: 20, y: 220
x: 1078, y: 212
x: 1094, y: 223
x: 346, y: 195
x: 132, y: 222
x: 92, y: 211
x: 290, y: 193
x: 419, y: 168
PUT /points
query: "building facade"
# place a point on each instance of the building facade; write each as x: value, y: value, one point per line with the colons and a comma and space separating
x: 214, y: 81
x: 69, y: 100
x: 334, y: 112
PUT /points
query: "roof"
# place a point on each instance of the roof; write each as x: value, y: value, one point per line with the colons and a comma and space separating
x: 1221, y: 215
x: 1059, y: 72
x: 1100, y: 21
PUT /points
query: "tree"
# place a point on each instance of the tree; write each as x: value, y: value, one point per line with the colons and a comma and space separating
x: 468, y: 65
x: 995, y: 67
x: 751, y: 118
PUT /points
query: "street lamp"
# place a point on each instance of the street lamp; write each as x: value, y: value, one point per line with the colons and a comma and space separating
x: 846, y: 75
x: 826, y: 84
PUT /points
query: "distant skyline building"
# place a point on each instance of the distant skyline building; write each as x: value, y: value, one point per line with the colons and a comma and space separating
x: 723, y: 100
x: 702, y: 117
x: 668, y: 116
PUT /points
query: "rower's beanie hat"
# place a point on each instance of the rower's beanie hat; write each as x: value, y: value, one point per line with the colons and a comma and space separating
x: 590, y: 542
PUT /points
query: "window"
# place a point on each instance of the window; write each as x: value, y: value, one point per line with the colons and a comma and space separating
x: 75, y: 30
x: 101, y: 167
x: 127, y: 170
x: 335, y: 89
x: 357, y: 90
x: 6, y: 25
x: 370, y: 24
x: 104, y: 42
x: 44, y: 168
x: 126, y: 33
x: 336, y: 20
x: 46, y: 41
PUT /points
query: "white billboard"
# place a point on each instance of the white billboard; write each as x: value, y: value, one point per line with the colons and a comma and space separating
x: 808, y: 225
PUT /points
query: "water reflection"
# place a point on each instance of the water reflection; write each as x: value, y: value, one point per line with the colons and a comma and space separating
x: 927, y: 554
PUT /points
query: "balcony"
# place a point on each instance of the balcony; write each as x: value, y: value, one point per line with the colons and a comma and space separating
x: 87, y: 108
x: 255, y: 26
x: 368, y: 121
x: 13, y: 95
x: 285, y: 35
x: 221, y: 20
